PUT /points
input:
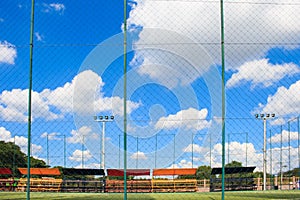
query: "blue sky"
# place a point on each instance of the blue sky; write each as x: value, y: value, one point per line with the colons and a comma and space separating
x: 173, y: 90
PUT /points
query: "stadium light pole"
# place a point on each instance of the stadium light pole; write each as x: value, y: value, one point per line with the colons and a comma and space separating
x: 103, y: 119
x: 264, y: 117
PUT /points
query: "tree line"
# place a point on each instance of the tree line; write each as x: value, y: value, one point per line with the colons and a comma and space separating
x: 12, y: 157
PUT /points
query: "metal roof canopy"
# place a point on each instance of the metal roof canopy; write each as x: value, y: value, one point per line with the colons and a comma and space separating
x: 40, y: 171
x: 174, y: 171
x: 129, y: 172
x: 5, y: 171
x: 232, y: 170
x: 78, y: 171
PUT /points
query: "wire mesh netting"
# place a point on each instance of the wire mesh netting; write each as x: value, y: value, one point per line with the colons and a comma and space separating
x: 135, y: 88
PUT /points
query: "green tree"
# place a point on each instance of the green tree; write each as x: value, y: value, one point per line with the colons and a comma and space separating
x: 234, y: 164
x: 34, y: 162
x: 293, y: 172
x: 203, y: 172
x: 258, y: 174
x: 12, y: 157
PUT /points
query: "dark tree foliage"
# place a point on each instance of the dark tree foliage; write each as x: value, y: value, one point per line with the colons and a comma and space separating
x: 293, y: 172
x: 12, y: 157
x: 234, y: 164
x: 36, y: 163
x: 203, y: 172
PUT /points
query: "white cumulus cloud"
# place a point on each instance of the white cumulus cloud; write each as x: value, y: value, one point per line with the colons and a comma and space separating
x: 285, y: 101
x: 268, y: 25
x: 5, y: 135
x: 57, y: 6
x: 284, y: 137
x: 139, y: 156
x: 261, y: 73
x: 237, y: 152
x: 79, y: 155
x: 182, y: 164
x: 21, y: 141
x: 51, y: 136
x: 82, y: 134
x: 54, y: 7
x: 8, y: 53
x: 38, y: 36
x: 13, y: 104
x: 187, y: 119
x: 196, y: 149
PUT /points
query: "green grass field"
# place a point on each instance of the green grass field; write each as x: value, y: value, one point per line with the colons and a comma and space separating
x: 257, y: 195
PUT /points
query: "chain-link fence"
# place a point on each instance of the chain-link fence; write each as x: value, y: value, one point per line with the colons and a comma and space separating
x: 147, y: 101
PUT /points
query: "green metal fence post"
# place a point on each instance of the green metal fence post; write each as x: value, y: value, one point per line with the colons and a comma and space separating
x: 29, y: 99
x: 125, y: 99
x: 289, y: 142
x: 281, y: 157
x: 298, y: 124
x: 271, y: 175
x: 223, y: 97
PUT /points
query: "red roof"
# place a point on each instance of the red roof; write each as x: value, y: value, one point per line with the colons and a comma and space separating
x: 129, y: 172
x: 41, y: 171
x: 5, y: 171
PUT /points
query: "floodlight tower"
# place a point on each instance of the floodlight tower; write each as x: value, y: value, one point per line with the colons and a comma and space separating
x: 264, y: 117
x: 103, y: 119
